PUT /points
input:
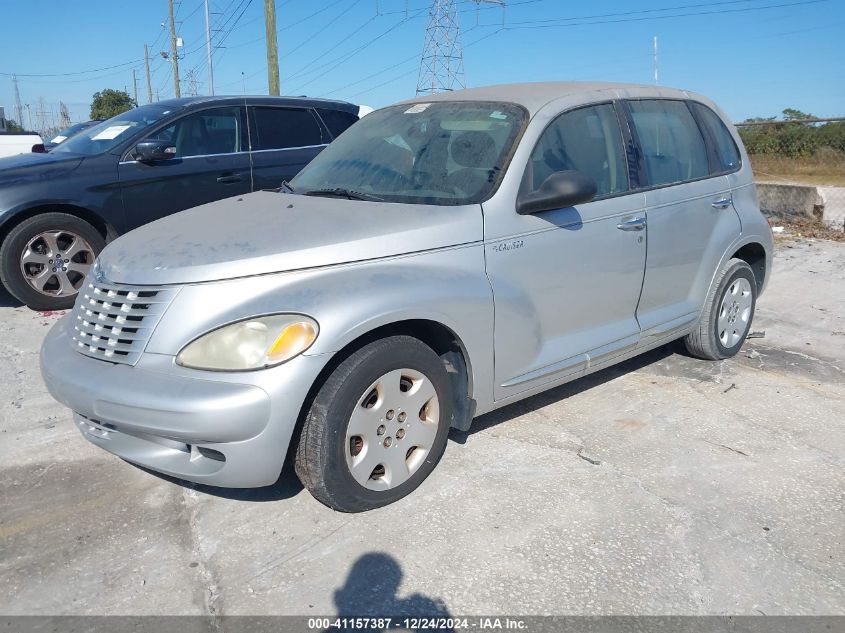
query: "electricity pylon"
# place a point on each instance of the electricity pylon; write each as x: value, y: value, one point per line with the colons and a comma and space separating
x: 442, y: 61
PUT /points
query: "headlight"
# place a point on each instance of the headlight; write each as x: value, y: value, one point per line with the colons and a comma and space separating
x: 251, y: 344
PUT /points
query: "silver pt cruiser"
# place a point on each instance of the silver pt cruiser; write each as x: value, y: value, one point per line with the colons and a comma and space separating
x: 442, y: 258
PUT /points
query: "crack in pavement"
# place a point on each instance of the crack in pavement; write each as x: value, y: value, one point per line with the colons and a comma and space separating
x: 210, y: 587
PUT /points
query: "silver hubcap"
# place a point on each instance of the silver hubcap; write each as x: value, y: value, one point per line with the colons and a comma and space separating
x: 55, y: 263
x: 734, y: 313
x: 392, y: 429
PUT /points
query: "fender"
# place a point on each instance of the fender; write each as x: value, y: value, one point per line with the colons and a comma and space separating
x: 738, y: 243
x: 21, y: 211
x: 448, y: 287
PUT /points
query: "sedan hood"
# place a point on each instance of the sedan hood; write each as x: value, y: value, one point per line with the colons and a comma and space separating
x: 31, y: 167
x: 267, y: 232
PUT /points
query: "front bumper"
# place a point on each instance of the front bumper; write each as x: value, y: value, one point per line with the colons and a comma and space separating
x: 220, y: 429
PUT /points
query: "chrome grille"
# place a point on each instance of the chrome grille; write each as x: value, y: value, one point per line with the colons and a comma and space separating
x: 113, y: 322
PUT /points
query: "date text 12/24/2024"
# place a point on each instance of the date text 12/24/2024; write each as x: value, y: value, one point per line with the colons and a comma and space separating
x: 416, y: 624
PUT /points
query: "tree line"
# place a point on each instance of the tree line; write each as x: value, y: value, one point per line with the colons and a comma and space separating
x: 790, y: 136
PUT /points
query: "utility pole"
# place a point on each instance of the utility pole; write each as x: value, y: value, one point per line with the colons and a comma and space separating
x: 272, y: 47
x: 174, y: 53
x: 135, y: 85
x: 208, y: 51
x: 149, y: 81
x: 18, y: 106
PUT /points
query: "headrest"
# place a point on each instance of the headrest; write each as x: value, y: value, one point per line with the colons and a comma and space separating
x: 474, y: 149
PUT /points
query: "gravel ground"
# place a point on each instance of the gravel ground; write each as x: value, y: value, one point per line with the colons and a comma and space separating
x: 666, y: 485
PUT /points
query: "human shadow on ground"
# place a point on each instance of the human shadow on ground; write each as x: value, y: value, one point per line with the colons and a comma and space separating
x: 370, y: 591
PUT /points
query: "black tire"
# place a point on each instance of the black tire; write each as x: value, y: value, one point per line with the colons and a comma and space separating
x: 13, y: 248
x: 704, y: 341
x: 320, y: 453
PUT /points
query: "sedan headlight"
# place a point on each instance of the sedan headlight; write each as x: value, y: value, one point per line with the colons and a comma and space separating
x: 251, y: 344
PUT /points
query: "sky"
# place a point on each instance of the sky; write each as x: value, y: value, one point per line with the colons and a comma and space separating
x: 753, y: 57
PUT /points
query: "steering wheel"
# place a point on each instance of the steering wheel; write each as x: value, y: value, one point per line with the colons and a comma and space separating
x: 425, y: 180
x: 397, y: 179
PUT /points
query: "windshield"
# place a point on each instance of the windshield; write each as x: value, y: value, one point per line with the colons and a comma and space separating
x: 445, y: 153
x: 103, y: 136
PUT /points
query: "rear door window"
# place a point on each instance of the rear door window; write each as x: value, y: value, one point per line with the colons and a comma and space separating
x: 588, y: 140
x: 727, y: 154
x: 285, y: 128
x: 672, y: 146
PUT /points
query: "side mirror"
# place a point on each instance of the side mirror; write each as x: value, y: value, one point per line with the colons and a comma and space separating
x: 560, y: 190
x: 150, y: 151
x: 39, y: 148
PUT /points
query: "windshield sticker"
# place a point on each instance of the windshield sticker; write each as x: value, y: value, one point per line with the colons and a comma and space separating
x: 498, y: 115
x: 58, y: 139
x: 111, y: 132
x: 417, y: 108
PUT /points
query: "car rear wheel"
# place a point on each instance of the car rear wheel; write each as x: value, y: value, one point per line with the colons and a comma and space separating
x: 44, y: 259
x: 727, y: 315
x: 377, y: 426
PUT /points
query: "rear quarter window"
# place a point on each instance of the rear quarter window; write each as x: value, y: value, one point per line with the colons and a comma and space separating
x: 336, y: 120
x: 724, y: 148
x: 284, y: 128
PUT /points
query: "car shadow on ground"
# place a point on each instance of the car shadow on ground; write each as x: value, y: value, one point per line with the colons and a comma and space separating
x: 567, y: 390
x: 7, y: 300
x: 286, y: 487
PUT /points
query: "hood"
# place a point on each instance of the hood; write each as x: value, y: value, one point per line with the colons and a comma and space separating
x: 36, y: 166
x: 267, y: 232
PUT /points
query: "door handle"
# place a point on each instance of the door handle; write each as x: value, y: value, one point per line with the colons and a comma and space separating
x: 721, y: 203
x: 632, y: 224
x: 226, y: 179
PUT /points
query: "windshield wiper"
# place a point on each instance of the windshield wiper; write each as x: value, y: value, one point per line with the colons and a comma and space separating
x: 340, y: 192
x: 286, y: 187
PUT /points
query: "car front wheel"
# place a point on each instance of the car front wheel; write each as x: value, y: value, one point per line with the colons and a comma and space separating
x: 377, y: 426
x: 45, y: 258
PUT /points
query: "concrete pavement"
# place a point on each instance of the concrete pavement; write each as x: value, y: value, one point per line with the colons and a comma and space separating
x: 666, y: 485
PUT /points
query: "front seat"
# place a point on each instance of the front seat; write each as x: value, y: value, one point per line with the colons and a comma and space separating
x: 193, y: 138
x: 476, y: 153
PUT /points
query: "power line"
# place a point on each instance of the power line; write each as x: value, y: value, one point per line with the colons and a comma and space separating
x: 289, y: 25
x: 571, y: 21
x: 322, y: 27
x: 79, y: 72
x: 416, y: 57
x: 222, y: 37
x: 342, y: 59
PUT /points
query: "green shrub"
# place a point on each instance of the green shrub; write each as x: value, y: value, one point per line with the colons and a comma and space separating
x: 792, y: 139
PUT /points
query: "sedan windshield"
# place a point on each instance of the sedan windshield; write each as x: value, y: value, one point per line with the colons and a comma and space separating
x: 70, y: 131
x: 103, y: 136
x: 444, y: 153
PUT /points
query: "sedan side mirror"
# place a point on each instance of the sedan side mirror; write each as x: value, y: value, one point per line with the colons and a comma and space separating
x: 39, y: 148
x: 560, y: 190
x: 149, y: 151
